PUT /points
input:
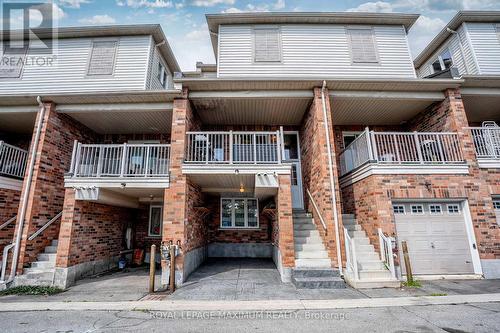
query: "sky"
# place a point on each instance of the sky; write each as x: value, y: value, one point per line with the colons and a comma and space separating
x: 184, y: 24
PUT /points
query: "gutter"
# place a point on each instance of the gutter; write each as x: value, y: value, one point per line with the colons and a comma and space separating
x: 24, y: 201
x: 332, y: 183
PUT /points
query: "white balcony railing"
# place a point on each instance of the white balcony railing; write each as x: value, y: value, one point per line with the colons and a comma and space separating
x: 486, y: 142
x: 12, y: 160
x: 233, y: 148
x: 401, y: 148
x: 120, y: 160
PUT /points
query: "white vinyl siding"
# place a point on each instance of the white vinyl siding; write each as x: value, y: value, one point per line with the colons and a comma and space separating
x: 486, y: 46
x: 320, y: 50
x: 363, y: 47
x: 267, y: 44
x: 464, y: 63
x: 70, y: 72
x: 154, y: 79
x: 102, y: 58
x: 12, y: 62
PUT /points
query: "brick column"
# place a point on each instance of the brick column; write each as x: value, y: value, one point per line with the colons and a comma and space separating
x: 285, y: 222
x: 316, y: 173
x: 176, y: 197
x: 46, y: 196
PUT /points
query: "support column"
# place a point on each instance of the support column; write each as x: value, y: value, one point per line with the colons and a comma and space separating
x: 284, y: 255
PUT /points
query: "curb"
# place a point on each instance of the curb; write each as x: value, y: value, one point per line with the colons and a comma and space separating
x: 274, y: 305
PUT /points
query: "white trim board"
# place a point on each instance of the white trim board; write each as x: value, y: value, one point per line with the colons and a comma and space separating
x: 11, y: 184
x: 233, y: 169
x: 488, y: 163
x: 117, y: 182
x: 398, y: 169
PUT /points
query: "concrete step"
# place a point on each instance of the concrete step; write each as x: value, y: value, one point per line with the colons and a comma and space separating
x: 309, y: 247
x: 315, y: 272
x: 50, y: 249
x: 38, y: 270
x: 304, y: 226
x: 328, y: 282
x: 370, y: 274
x: 307, y: 240
x: 361, y: 240
x: 321, y: 254
x: 33, y: 280
x: 363, y: 248
x: 356, y: 233
x: 316, y: 263
x: 299, y: 214
x: 47, y: 257
x: 366, y: 256
x: 306, y: 233
x: 353, y: 227
x: 370, y: 264
x: 43, y: 264
x: 348, y: 216
x: 55, y: 242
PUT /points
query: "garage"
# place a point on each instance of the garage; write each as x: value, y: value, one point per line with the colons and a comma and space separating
x: 436, y: 235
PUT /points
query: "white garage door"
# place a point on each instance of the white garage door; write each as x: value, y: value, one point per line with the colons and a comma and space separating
x: 436, y: 236
x: 496, y: 205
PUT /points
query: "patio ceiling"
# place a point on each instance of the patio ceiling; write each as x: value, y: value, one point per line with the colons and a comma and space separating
x: 19, y: 120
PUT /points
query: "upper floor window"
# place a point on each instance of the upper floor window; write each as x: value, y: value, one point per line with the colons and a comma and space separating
x: 443, y: 62
x: 349, y: 137
x: 363, y: 46
x: 162, y: 75
x: 12, y: 62
x: 267, y: 44
x: 102, y: 58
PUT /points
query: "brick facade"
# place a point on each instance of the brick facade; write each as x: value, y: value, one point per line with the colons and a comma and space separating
x: 46, y: 195
x: 371, y: 198
x: 315, y: 170
x: 9, y: 203
x: 284, y: 220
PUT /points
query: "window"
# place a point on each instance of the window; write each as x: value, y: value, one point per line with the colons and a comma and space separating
x: 498, y: 31
x: 12, y: 62
x: 417, y: 209
x: 398, y: 209
x: 155, y: 220
x: 267, y: 44
x: 102, y: 58
x: 363, y: 46
x: 435, y: 209
x: 453, y: 209
x: 162, y: 75
x: 496, y: 204
x: 349, y: 137
x: 443, y: 62
x: 239, y: 213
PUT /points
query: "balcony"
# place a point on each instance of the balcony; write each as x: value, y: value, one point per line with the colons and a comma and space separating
x: 487, y: 146
x: 12, y: 161
x: 402, y: 153
x: 119, y: 165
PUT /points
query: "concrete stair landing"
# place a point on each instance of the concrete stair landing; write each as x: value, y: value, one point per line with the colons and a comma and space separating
x: 372, y: 271
x: 41, y: 271
x: 313, y: 267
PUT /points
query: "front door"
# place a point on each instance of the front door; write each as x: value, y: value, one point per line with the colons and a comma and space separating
x: 291, y: 154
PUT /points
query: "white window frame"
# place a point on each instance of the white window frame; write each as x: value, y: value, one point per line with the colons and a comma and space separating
x: 417, y: 213
x: 496, y: 203
x: 399, y: 206
x: 435, y: 213
x: 233, y: 222
x: 375, y: 45
x: 151, y: 207
x: 23, y: 62
x: 440, y: 59
x: 350, y: 133
x: 453, y: 213
x: 162, y: 74
x: 89, y: 60
x: 280, y: 43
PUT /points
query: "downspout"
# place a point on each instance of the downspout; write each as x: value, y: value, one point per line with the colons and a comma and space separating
x: 462, y: 51
x: 24, y: 202
x: 332, y: 183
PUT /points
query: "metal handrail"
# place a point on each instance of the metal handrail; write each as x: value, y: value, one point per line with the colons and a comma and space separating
x: 9, y: 221
x: 386, y: 254
x: 351, y: 260
x: 5, y: 257
x: 45, y: 226
x: 316, y: 208
x: 486, y: 141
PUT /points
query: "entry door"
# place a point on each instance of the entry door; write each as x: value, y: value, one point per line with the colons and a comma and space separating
x: 291, y: 154
x: 436, y: 236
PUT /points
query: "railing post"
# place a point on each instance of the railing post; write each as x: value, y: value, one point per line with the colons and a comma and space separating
x: 231, y: 142
x: 78, y: 157
x: 278, y: 146
x: 124, y: 157
x: 382, y: 245
x: 206, y: 151
x: 146, y: 172
x: 374, y: 146
x: 419, y: 148
x: 440, y: 147
x: 369, y: 144
x: 254, y: 138
x: 73, y: 156
x: 99, y: 161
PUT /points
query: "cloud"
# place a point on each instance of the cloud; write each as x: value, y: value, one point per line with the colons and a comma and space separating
x: 211, y: 3
x: 145, y: 3
x: 264, y: 7
x: 198, y: 34
x: 379, y: 7
x: 73, y: 3
x: 98, y: 19
x: 280, y: 4
x: 424, y: 30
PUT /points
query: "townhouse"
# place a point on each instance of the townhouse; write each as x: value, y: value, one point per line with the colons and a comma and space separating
x: 313, y: 141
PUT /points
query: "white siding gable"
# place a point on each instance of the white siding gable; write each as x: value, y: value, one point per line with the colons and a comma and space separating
x: 314, y: 50
x: 70, y: 73
x: 486, y: 46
